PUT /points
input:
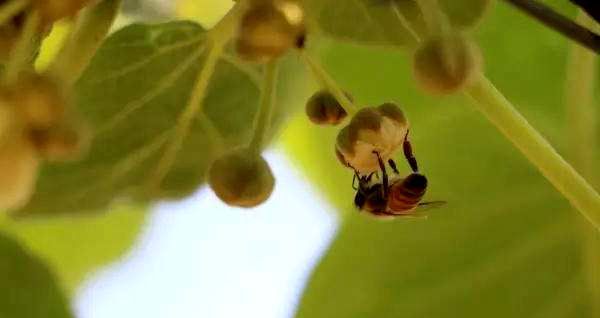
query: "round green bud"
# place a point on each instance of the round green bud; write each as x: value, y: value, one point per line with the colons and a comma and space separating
x: 19, y: 165
x: 269, y: 29
x: 241, y: 178
x: 445, y: 65
x: 323, y: 109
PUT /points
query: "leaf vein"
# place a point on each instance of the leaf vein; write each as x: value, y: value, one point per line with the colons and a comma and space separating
x: 169, y: 80
x: 143, y: 62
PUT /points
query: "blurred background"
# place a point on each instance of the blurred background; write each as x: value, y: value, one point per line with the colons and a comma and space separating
x: 201, y: 258
x: 506, y: 245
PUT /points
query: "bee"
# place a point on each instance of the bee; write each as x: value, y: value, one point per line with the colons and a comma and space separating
x: 395, y: 197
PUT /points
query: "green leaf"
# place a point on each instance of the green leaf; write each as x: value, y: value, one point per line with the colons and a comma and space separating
x: 75, y: 247
x: 386, y: 22
x: 29, y: 290
x: 132, y: 95
x: 505, y: 245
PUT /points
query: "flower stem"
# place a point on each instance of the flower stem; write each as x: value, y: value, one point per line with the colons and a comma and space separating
x: 266, y: 107
x: 579, y: 98
x: 435, y: 19
x: 86, y: 37
x: 540, y: 153
x: 23, y: 52
x: 404, y: 21
x: 559, y: 23
x: 11, y: 8
x: 582, y: 120
x: 328, y: 83
x: 217, y: 38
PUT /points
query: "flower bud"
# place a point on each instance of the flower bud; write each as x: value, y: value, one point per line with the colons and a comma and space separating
x: 444, y: 65
x: 269, y: 29
x: 18, y: 171
x: 241, y: 178
x: 323, y: 109
x: 372, y: 130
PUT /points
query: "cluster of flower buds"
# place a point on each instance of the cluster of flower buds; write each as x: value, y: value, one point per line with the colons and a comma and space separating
x: 269, y: 28
x: 241, y: 178
x: 35, y: 125
x: 380, y: 130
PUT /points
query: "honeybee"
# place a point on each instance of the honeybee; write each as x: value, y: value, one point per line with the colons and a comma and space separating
x: 398, y: 197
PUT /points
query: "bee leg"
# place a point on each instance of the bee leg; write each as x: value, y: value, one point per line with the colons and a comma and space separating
x: 357, y: 177
x: 384, y: 174
x: 408, y: 154
x: 393, y: 165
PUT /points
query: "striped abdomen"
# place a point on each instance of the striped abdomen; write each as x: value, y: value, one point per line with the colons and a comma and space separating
x: 405, y: 194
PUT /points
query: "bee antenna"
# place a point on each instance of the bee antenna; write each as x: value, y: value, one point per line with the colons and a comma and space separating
x: 354, y: 182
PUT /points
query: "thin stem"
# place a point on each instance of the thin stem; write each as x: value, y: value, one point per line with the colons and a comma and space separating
x: 404, y: 21
x: 86, y: 37
x: 559, y: 23
x: 23, y: 52
x: 590, y: 7
x: 439, y: 25
x: 436, y: 21
x: 328, y: 83
x: 582, y: 119
x: 579, y: 98
x: 11, y: 9
x: 515, y: 127
x: 266, y: 107
x: 217, y: 38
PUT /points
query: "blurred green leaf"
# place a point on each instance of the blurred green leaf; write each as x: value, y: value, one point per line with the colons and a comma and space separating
x: 506, y: 245
x: 132, y: 94
x: 28, y: 288
x: 381, y: 22
x: 75, y: 247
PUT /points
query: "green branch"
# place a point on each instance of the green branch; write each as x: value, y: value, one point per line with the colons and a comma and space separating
x: 328, y: 83
x: 84, y: 40
x: 532, y: 144
x: 22, y: 54
x: 559, y: 23
x: 266, y: 107
x: 582, y: 117
x: 435, y: 19
x: 217, y: 38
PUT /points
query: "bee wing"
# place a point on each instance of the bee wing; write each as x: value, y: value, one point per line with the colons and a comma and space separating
x: 424, y: 206
x: 419, y: 211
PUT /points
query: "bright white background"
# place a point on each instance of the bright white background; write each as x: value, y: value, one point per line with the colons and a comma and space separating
x: 201, y: 258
